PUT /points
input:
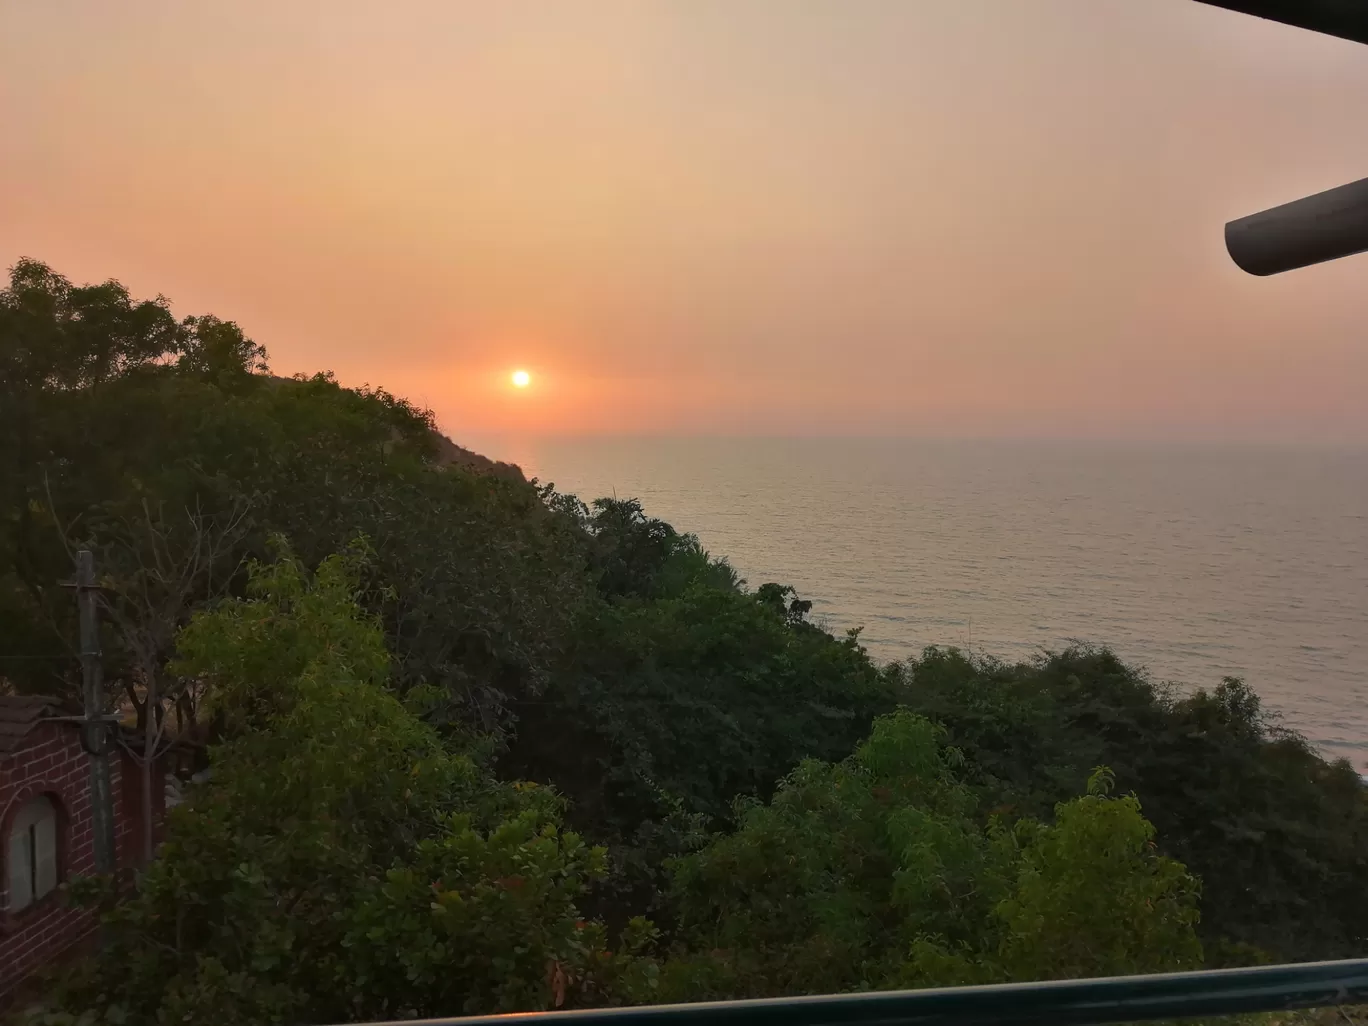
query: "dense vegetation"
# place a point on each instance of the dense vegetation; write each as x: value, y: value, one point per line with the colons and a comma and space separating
x: 477, y: 746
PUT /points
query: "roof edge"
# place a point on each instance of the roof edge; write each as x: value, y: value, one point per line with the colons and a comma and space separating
x: 1344, y: 19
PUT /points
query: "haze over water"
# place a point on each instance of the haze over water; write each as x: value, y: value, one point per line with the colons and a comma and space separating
x: 1196, y: 561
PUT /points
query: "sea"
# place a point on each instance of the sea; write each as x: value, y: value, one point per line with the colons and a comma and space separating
x: 1196, y: 562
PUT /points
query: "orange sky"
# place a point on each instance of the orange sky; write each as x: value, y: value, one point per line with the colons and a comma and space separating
x: 949, y: 217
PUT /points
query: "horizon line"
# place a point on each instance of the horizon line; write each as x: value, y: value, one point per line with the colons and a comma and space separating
x: 839, y: 436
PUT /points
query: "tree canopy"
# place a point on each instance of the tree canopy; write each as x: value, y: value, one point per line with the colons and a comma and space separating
x: 342, y: 862
x: 876, y: 872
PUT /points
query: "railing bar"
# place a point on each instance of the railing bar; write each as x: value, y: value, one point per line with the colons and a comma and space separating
x: 1054, y: 1003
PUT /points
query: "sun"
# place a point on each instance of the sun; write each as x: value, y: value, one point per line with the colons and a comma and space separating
x: 521, y: 379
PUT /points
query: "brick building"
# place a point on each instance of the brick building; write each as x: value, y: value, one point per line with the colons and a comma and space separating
x: 46, y: 831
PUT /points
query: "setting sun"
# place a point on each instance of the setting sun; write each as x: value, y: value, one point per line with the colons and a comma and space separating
x: 521, y: 379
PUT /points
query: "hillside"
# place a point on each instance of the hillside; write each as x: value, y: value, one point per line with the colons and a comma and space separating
x: 448, y: 453
x: 452, y: 455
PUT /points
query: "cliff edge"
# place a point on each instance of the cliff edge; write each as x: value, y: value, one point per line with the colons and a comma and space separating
x: 449, y: 454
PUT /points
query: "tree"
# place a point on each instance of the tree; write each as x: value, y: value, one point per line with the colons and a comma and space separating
x: 873, y: 872
x: 342, y: 863
x: 1093, y: 898
x: 1278, y: 834
x: 670, y: 707
x: 58, y: 343
x: 155, y: 570
x: 635, y: 555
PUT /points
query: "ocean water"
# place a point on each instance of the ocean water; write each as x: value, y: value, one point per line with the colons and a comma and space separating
x: 1196, y: 562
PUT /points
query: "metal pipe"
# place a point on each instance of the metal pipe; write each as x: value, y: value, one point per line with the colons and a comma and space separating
x: 1326, y: 226
x: 1059, y: 1003
x: 95, y: 735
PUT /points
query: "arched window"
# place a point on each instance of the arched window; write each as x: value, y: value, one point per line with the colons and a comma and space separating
x: 32, y: 852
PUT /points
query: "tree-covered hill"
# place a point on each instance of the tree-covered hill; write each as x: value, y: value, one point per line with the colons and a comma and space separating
x: 477, y: 745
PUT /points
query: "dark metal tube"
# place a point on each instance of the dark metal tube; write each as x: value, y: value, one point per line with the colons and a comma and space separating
x: 1061, y: 1003
x: 1322, y: 227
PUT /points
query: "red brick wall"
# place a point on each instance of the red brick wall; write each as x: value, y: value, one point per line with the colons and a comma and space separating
x: 52, y: 762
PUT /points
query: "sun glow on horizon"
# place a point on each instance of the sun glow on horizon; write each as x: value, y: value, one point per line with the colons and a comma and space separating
x: 521, y: 379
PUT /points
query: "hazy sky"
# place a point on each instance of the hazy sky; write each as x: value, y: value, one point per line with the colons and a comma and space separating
x: 962, y: 217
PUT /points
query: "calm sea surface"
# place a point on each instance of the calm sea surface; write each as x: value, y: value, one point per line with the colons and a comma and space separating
x: 1197, y: 562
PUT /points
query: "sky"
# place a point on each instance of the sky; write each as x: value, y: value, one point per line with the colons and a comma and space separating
x: 984, y: 218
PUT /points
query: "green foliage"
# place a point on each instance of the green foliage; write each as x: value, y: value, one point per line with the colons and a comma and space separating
x: 57, y: 341
x: 706, y: 695
x: 673, y: 706
x: 633, y: 554
x: 112, y: 408
x: 1278, y: 835
x: 680, y: 692
x: 1092, y: 898
x: 476, y: 582
x: 342, y: 863
x: 874, y: 872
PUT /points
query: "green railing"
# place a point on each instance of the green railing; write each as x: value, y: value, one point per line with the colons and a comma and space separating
x: 1060, y: 1003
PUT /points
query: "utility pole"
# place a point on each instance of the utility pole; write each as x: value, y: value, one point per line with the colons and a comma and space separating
x: 95, y: 730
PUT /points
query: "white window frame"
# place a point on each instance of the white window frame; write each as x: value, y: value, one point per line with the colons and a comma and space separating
x: 31, y: 853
